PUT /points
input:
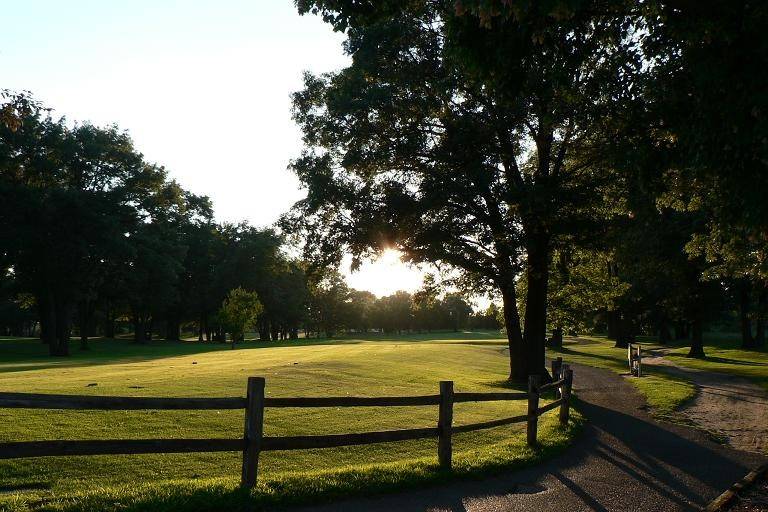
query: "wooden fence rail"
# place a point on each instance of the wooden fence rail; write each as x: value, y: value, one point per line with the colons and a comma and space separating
x: 254, y: 442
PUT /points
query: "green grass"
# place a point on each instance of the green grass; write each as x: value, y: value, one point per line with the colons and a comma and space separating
x: 725, y: 355
x: 208, y: 481
x: 664, y: 392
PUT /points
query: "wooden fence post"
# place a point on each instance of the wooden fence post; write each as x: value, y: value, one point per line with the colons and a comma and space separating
x: 565, y: 406
x: 639, y: 362
x: 557, y: 372
x: 445, y: 424
x: 254, y: 430
x: 533, y: 405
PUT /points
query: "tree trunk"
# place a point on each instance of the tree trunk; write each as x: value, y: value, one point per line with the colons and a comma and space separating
x: 535, y: 329
x: 141, y: 326
x: 612, y: 321
x: 747, y: 341
x: 47, y: 318
x: 624, y: 331
x: 697, y: 339
x: 84, y: 317
x: 557, y: 337
x: 109, y: 323
x: 681, y: 330
x: 762, y: 298
x: 517, y: 365
x: 664, y: 335
x: 263, y: 328
x: 172, y: 329
x: 62, y: 331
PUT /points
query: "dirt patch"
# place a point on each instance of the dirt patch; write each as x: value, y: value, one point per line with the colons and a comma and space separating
x: 732, y: 409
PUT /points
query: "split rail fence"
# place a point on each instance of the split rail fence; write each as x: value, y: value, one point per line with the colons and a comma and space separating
x: 254, y: 442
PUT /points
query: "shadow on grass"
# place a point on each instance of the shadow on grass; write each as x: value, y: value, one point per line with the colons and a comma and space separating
x: 27, y: 355
x: 726, y: 360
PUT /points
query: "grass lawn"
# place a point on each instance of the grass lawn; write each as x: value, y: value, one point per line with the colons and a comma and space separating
x: 664, y: 392
x: 725, y: 355
x: 208, y: 481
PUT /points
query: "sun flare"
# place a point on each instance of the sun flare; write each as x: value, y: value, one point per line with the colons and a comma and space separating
x: 385, y: 275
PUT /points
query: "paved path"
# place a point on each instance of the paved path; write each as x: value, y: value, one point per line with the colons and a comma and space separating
x: 730, y: 407
x: 624, y: 461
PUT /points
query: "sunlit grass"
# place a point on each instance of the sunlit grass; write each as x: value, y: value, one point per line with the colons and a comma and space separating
x: 372, y: 367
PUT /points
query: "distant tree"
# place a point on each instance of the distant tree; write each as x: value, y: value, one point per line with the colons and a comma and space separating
x: 328, y: 303
x: 238, y: 313
x: 393, y: 312
x: 362, y: 307
x: 426, y: 305
x: 458, y: 310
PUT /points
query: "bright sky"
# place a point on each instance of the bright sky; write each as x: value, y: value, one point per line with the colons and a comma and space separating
x: 202, y: 86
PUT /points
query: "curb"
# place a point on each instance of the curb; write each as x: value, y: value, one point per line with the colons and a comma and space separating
x: 719, y: 503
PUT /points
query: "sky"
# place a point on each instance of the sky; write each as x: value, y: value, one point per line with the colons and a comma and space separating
x: 203, y: 87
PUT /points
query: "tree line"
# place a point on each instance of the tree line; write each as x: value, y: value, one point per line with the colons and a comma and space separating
x: 599, y: 162
x: 334, y: 308
x: 94, y: 236
x: 91, y: 233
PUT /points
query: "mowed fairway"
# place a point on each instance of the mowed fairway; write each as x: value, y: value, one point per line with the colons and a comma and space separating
x: 364, y: 367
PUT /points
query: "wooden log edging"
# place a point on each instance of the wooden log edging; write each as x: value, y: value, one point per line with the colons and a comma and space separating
x: 724, y: 500
x: 254, y: 442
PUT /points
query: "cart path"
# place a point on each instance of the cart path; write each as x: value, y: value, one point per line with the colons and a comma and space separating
x: 732, y: 408
x: 623, y: 460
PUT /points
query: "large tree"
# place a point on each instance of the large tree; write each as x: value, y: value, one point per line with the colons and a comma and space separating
x: 708, y: 69
x: 467, y: 140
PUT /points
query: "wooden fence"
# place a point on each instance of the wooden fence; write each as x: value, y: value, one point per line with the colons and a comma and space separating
x: 254, y: 442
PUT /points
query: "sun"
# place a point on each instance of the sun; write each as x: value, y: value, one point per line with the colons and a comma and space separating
x: 385, y: 275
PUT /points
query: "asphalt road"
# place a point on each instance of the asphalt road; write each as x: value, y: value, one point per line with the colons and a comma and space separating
x: 624, y: 461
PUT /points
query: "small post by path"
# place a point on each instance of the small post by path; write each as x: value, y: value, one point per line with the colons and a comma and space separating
x: 565, y: 406
x: 533, y: 405
x: 254, y: 430
x: 639, y: 362
x: 445, y: 425
x: 557, y: 372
